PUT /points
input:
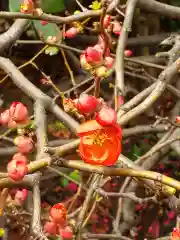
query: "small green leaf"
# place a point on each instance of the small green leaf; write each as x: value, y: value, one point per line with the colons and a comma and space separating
x: 64, y: 182
x: 52, y: 50
x: 77, y: 12
x: 95, y: 5
x: 2, y: 232
x: 136, y: 152
x: 59, y: 237
x: 75, y: 175
x: 60, y: 125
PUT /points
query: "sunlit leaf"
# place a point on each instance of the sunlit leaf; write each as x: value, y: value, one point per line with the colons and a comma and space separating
x: 75, y: 175
x: 52, y: 50
x: 95, y: 5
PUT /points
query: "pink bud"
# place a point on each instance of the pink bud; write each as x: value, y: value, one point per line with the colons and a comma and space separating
x: 21, y: 196
x: 66, y: 232
x: 117, y: 28
x: 12, y: 124
x: 171, y: 215
x: 72, y: 187
x: 45, y: 81
x: 150, y: 229
x: 21, y: 157
x: 44, y: 23
x: 51, y: 228
x: 93, y: 54
x: 86, y: 103
x: 108, y: 62
x: 18, y: 112
x: 17, y: 169
x: 128, y: 53
x: 107, y: 21
x: 71, y: 33
x: 4, y: 117
x: 106, y: 116
x: 58, y: 213
x: 84, y: 63
x: 24, y: 144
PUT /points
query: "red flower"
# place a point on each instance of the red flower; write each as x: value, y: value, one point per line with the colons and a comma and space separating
x: 51, y: 228
x: 17, y: 169
x: 27, y: 6
x: 99, y: 145
x: 71, y: 33
x: 18, y: 112
x: 86, y: 103
x: 58, y: 213
x: 175, y: 234
x: 106, y: 116
x: 21, y: 157
x: 66, y: 232
x: 24, y: 144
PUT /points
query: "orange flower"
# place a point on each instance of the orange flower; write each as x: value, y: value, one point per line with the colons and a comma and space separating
x: 27, y: 6
x: 99, y: 145
x: 58, y: 213
x: 175, y: 234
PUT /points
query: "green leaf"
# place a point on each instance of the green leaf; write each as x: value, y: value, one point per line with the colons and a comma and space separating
x: 59, y: 237
x: 2, y: 232
x: 60, y: 125
x: 75, y: 175
x: 95, y: 5
x: 52, y: 6
x: 48, y: 30
x: 52, y: 50
x: 14, y: 5
x: 48, y: 6
x: 135, y: 153
x: 64, y: 182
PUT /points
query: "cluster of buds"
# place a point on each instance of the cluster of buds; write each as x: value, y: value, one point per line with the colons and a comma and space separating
x: 17, y: 167
x: 16, y: 115
x: 87, y: 104
x: 58, y: 222
x: 112, y: 26
x: 18, y: 196
x: 74, y: 30
x: 95, y: 60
